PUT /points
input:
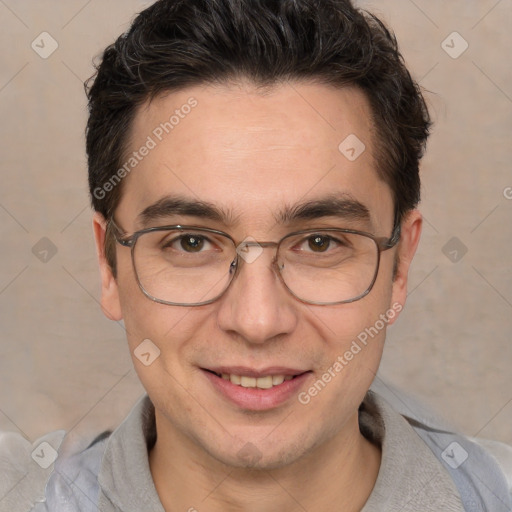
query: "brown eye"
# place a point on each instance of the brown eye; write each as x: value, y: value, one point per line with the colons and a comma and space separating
x: 192, y: 243
x: 189, y: 243
x: 319, y: 243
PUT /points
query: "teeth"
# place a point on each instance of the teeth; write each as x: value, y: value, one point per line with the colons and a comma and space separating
x: 236, y: 379
x: 277, y: 379
x: 264, y: 382
x: 248, y: 382
x: 252, y: 382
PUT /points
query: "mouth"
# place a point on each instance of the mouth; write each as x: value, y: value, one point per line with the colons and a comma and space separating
x: 263, y: 382
x: 257, y: 390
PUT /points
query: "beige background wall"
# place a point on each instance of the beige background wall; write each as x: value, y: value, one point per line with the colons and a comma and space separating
x: 64, y: 365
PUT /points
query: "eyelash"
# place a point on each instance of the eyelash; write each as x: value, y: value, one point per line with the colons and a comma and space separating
x: 178, y: 239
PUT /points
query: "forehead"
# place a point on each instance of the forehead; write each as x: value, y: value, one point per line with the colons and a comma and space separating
x: 253, y: 153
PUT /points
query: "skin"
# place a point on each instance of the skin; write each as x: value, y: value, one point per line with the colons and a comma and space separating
x: 252, y: 153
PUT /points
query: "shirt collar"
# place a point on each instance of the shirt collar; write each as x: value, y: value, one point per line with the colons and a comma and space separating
x: 125, y: 477
x: 410, y: 478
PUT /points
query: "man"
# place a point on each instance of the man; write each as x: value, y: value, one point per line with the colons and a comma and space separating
x: 253, y: 168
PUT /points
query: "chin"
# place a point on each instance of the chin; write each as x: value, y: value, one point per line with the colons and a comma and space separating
x: 258, y: 455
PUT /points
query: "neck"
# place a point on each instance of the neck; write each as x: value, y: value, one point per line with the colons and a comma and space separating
x: 342, y: 470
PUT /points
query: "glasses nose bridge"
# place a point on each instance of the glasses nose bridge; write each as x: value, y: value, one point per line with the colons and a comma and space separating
x: 265, y: 244
x: 257, y: 244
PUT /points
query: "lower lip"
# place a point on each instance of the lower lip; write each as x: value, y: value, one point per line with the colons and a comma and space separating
x: 257, y: 399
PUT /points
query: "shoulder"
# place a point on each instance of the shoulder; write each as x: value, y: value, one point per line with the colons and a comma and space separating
x: 25, y: 468
x: 73, y: 485
x: 56, y: 472
x: 481, y: 469
x: 501, y: 453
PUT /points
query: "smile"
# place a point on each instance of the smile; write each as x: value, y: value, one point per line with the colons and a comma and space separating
x: 265, y: 382
x: 260, y: 391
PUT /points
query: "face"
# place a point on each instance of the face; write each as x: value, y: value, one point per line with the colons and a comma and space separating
x: 253, y: 156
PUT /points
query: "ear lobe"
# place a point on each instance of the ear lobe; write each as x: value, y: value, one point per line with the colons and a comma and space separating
x: 409, y: 240
x: 110, y: 303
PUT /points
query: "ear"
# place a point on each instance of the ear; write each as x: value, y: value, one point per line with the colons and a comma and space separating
x: 110, y: 303
x: 409, y: 240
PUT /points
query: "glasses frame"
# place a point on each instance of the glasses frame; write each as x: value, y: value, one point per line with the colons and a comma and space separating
x: 382, y: 243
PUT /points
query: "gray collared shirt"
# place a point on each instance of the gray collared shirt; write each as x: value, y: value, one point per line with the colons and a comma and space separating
x: 113, y: 474
x: 410, y: 478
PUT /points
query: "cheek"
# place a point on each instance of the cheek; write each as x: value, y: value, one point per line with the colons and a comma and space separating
x: 343, y: 323
x: 353, y: 335
x: 145, y: 320
x: 353, y: 341
x: 169, y: 329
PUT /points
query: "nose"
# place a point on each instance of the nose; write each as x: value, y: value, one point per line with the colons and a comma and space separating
x: 257, y: 307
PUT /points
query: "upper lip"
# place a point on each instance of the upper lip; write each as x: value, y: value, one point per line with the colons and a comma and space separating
x: 252, y: 372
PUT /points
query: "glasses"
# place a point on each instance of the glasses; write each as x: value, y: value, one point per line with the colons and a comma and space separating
x: 193, y: 266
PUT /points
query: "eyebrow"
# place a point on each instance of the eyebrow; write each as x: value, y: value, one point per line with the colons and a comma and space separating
x: 341, y: 206
x: 175, y: 205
